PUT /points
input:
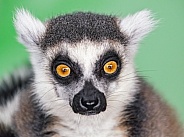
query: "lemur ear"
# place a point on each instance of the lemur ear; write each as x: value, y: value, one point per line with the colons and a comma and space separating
x: 136, y: 26
x: 29, y: 28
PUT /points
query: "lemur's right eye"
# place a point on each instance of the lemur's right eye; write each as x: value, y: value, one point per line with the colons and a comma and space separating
x: 110, y: 67
x: 63, y: 70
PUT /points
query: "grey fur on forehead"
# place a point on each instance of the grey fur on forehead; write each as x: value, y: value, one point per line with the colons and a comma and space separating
x: 75, y: 27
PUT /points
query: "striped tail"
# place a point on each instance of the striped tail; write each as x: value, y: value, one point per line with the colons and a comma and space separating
x: 10, y: 89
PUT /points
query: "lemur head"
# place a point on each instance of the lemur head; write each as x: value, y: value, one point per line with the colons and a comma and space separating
x: 83, y: 61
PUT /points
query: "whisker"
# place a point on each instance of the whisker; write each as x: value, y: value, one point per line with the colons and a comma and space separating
x: 45, y: 82
x: 52, y: 101
x: 45, y: 93
x: 116, y: 100
x: 78, y: 121
x: 68, y: 112
x: 112, y: 107
x: 63, y: 106
x: 115, y: 95
x: 127, y: 78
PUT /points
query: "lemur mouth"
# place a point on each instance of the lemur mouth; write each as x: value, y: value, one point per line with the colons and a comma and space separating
x: 88, y: 113
x: 89, y: 101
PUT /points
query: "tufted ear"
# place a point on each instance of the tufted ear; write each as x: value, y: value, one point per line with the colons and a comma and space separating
x: 137, y: 26
x: 29, y: 28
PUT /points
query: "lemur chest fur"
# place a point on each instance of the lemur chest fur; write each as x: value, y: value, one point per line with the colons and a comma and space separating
x: 95, y: 128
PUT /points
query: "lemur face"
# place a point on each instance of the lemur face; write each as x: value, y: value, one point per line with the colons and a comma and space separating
x: 85, y: 74
x: 83, y: 61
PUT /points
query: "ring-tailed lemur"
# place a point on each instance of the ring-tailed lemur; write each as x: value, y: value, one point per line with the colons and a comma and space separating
x: 83, y: 82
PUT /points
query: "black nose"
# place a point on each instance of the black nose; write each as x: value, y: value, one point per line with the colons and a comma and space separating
x: 89, y: 101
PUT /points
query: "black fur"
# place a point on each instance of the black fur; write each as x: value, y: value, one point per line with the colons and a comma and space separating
x: 89, y: 94
x: 79, y: 26
x: 32, y: 115
x: 135, y: 114
x: 108, y: 56
x: 75, y: 73
x: 6, y: 132
x: 8, y: 89
x: 31, y: 120
x: 40, y: 120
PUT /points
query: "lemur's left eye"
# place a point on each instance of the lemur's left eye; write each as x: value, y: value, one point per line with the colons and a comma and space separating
x: 110, y: 67
x: 63, y: 70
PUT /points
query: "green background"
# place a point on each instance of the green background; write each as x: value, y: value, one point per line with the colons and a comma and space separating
x: 161, y: 55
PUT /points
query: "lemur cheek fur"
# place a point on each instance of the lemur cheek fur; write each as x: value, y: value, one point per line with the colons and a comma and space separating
x: 83, y: 82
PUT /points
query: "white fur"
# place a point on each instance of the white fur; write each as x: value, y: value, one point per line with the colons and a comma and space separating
x: 86, y: 53
x: 105, y: 123
x: 120, y: 93
x: 8, y: 111
x: 137, y: 26
x: 29, y: 28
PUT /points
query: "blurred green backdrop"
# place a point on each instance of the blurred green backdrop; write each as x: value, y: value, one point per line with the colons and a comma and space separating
x: 161, y: 55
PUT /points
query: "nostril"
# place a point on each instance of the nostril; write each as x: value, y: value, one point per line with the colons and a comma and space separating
x: 90, y: 104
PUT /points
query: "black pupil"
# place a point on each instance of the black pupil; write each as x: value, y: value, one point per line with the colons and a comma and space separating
x: 109, y: 66
x: 64, y: 69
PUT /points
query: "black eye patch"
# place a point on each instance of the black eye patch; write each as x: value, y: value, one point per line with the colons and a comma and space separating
x: 108, y: 56
x: 75, y: 72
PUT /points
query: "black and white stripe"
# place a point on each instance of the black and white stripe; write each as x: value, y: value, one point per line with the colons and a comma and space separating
x: 10, y: 88
x: 135, y: 113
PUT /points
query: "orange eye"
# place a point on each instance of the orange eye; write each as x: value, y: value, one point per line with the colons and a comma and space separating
x: 110, y: 67
x: 63, y: 70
